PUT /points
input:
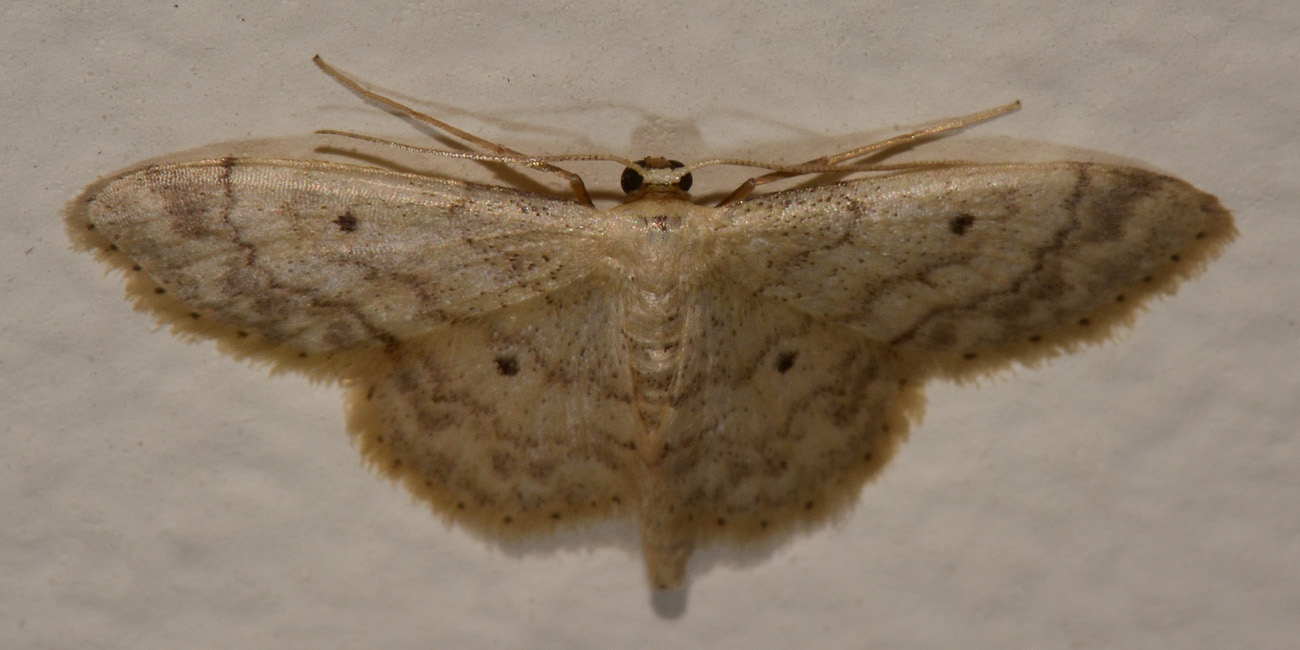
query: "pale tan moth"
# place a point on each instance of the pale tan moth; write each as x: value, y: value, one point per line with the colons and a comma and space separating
x: 727, y: 372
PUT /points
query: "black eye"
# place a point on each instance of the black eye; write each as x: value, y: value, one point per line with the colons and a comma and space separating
x: 684, y: 184
x: 631, y: 181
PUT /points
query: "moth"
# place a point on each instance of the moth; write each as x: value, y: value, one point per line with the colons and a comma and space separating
x: 720, y: 373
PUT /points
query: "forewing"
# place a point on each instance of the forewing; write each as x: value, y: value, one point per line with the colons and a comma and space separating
x: 957, y: 258
x: 321, y: 257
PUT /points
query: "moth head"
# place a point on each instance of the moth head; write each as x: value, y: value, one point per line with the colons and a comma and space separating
x: 656, y: 175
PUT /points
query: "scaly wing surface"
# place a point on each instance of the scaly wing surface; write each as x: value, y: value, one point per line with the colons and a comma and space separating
x: 319, y: 257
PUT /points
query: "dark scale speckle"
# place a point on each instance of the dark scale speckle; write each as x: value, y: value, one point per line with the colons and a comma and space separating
x: 507, y: 365
x: 785, y: 361
x: 347, y: 222
x: 960, y: 224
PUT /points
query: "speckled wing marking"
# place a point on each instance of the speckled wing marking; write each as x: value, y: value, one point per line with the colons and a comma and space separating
x: 513, y: 421
x: 955, y: 259
x: 321, y: 257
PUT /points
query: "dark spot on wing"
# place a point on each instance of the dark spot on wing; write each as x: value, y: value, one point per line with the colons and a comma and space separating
x: 960, y: 224
x: 785, y: 361
x: 347, y: 222
x: 507, y: 365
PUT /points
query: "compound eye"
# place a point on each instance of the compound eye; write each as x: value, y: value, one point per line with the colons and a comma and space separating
x: 631, y: 181
x: 684, y: 183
